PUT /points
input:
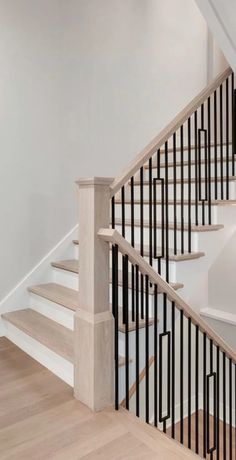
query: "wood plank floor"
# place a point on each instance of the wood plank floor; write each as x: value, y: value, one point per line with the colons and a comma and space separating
x: 40, y: 420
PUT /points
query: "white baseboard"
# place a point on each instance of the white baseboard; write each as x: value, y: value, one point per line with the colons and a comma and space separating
x: 55, y: 363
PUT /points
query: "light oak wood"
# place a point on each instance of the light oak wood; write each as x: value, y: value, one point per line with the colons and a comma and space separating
x: 178, y: 203
x: 72, y: 265
x: 185, y: 181
x: 42, y: 421
x: 167, y: 132
x: 186, y: 163
x: 114, y: 237
x: 57, y: 293
x: 141, y: 377
x: 49, y: 333
x: 194, y: 228
x: 131, y: 323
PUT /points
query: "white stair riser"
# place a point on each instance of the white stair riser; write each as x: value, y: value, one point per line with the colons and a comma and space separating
x: 55, y: 363
x: 170, y: 212
x: 65, y: 277
x: 51, y: 310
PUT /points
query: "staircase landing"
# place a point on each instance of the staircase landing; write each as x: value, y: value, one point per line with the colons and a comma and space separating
x: 50, y: 423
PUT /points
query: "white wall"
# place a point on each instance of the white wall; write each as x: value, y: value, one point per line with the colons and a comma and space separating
x: 84, y: 85
x: 221, y: 19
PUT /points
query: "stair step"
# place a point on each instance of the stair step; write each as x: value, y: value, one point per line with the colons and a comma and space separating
x: 132, y: 324
x: 185, y: 181
x: 178, y: 202
x: 186, y: 163
x: 192, y: 147
x: 69, y: 265
x: 49, y: 333
x: 57, y: 293
x: 194, y: 228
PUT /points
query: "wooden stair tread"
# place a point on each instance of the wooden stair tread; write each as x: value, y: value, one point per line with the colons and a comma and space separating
x: 57, y: 293
x: 192, y: 147
x: 71, y: 265
x: 185, y: 163
x: 66, y: 265
x: 132, y: 324
x: 178, y: 203
x: 194, y: 228
x: 49, y: 333
x: 185, y: 181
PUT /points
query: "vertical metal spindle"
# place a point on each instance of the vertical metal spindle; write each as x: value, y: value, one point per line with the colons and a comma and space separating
x: 175, y: 195
x: 227, y: 135
x: 233, y: 123
x: 132, y: 243
x: 189, y: 380
x: 204, y: 395
x: 150, y: 211
x: 196, y: 389
x: 182, y: 185
x: 221, y: 144
x: 115, y: 310
x: 155, y: 353
x: 167, y: 212
x: 196, y: 165
x: 200, y: 149
x: 141, y: 241
x: 126, y: 316
x: 173, y: 371
x: 181, y: 377
x: 137, y: 337
x: 218, y: 401
x: 189, y: 185
x: 209, y: 157
x: 147, y: 349
x: 123, y: 257
x: 224, y: 408
x: 215, y: 145
x: 230, y: 411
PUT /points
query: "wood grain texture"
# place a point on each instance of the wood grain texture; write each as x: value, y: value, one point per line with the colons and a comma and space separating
x: 57, y: 293
x: 49, y: 333
x: 114, y: 237
x: 41, y: 420
x: 167, y: 132
x: 178, y: 203
x: 195, y: 228
x: 186, y: 181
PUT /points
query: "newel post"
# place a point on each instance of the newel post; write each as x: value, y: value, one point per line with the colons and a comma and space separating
x: 94, y: 357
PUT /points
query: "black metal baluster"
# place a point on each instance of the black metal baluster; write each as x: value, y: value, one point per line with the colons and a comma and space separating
x: 204, y: 395
x: 167, y: 212
x: 132, y: 243
x: 123, y: 257
x: 150, y: 212
x: 137, y: 338
x: 155, y: 354
x: 189, y: 186
x: 224, y: 409
x: 173, y: 371
x: 167, y: 365
x: 215, y: 145
x: 182, y: 185
x: 233, y: 123
x: 189, y: 380
x: 126, y: 316
x: 113, y: 212
x: 175, y: 195
x: 218, y: 401
x: 141, y: 241
x: 230, y: 410
x: 227, y: 136
x: 115, y: 310
x: 209, y: 157
x: 197, y: 390
x: 181, y: 378
x: 221, y: 144
x: 200, y: 150
x: 196, y: 166
x: 147, y: 349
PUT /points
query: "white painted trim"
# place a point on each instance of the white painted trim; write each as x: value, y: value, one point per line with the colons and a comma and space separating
x: 55, y: 363
x: 219, y: 315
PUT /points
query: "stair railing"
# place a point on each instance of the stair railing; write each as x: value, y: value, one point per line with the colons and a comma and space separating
x: 199, y: 146
x: 188, y: 383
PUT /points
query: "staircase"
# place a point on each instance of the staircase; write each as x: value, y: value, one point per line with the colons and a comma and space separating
x: 147, y: 263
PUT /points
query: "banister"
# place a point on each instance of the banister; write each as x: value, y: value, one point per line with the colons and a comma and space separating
x: 167, y: 132
x: 114, y: 237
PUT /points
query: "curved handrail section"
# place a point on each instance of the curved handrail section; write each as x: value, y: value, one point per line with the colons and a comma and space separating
x: 167, y: 132
x: 115, y: 238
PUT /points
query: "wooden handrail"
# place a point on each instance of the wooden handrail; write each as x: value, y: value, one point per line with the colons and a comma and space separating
x: 114, y: 237
x: 167, y: 132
